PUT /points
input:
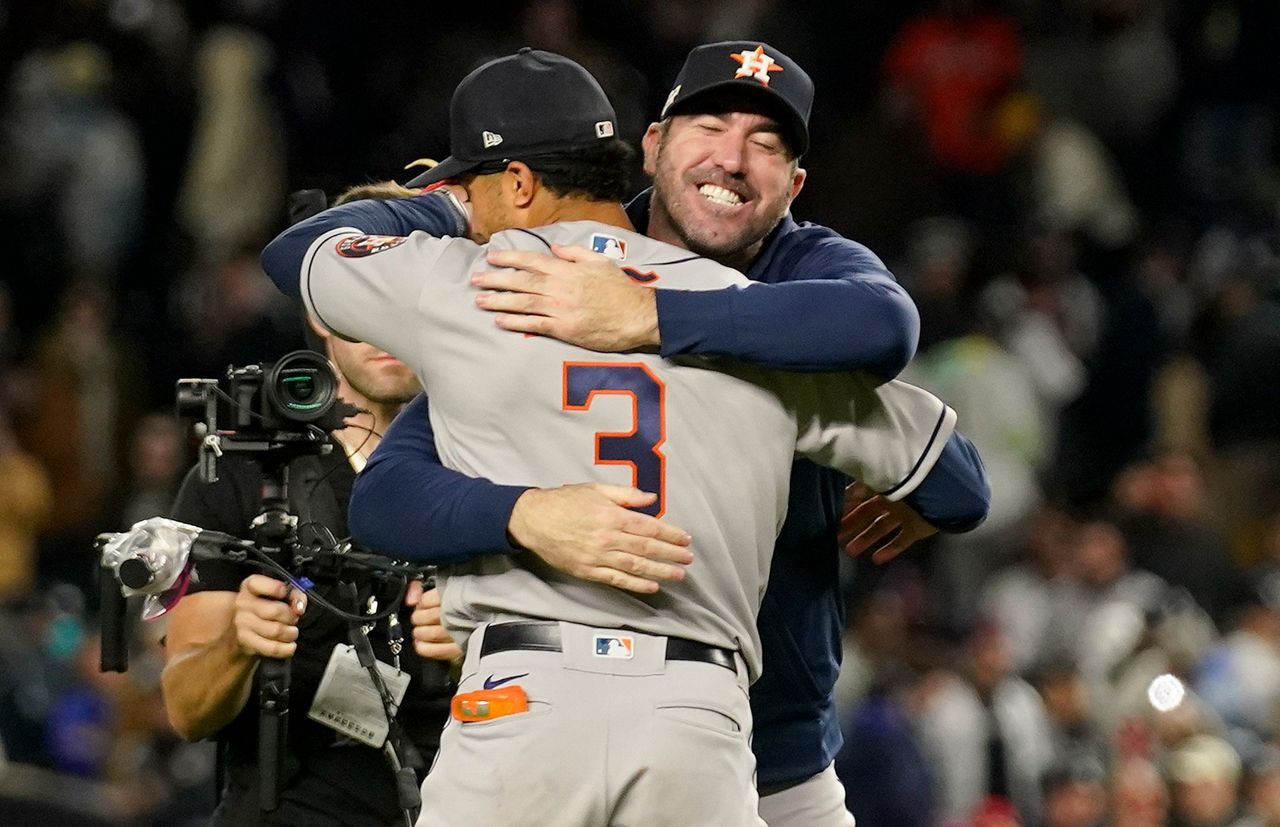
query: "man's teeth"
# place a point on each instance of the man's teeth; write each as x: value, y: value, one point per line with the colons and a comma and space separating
x: 720, y: 195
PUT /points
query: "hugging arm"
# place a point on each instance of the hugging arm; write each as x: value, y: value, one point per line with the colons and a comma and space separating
x: 407, y: 504
x: 838, y: 309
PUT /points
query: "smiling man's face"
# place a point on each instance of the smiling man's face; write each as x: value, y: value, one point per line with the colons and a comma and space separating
x: 721, y: 181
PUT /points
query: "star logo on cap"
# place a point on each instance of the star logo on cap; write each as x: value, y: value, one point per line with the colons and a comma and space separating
x: 756, y: 65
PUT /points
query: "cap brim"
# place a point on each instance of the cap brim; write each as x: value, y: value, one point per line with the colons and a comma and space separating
x: 450, y: 167
x: 790, y: 119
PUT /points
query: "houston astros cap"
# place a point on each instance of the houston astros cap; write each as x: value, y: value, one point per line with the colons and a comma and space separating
x: 754, y: 67
x: 524, y: 104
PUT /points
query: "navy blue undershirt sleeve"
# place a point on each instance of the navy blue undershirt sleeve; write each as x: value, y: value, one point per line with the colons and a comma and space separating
x: 955, y: 495
x: 839, y: 309
x: 407, y: 505
x: 433, y: 213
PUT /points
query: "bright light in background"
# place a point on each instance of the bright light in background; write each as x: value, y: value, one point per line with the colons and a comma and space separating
x: 1166, y: 692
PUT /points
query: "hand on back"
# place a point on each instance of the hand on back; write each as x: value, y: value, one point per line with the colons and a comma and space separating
x: 575, y: 295
x: 589, y: 531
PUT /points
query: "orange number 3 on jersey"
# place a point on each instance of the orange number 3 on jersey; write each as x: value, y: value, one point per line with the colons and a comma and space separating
x: 640, y: 447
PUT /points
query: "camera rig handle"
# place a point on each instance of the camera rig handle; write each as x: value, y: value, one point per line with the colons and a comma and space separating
x: 273, y: 531
x: 273, y: 728
x: 114, y: 654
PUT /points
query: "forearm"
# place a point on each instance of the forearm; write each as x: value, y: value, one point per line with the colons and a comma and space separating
x: 955, y: 495
x: 810, y: 325
x: 406, y: 504
x: 410, y: 508
x: 206, y: 685
x: 435, y: 213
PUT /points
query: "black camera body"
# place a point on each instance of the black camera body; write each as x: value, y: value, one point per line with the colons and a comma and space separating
x: 285, y: 407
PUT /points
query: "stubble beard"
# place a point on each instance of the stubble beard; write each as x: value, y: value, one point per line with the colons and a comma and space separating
x: 381, y: 389
x: 398, y: 393
x: 735, y: 249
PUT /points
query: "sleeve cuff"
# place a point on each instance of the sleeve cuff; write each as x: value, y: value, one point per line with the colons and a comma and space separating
x: 457, y: 213
x: 694, y: 321
x: 489, y: 508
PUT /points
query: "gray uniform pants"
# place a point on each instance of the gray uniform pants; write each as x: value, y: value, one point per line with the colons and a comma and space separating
x: 610, y: 738
x: 816, y: 802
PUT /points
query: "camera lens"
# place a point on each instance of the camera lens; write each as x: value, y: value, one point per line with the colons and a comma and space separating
x: 298, y: 387
x: 135, y: 573
x: 301, y: 386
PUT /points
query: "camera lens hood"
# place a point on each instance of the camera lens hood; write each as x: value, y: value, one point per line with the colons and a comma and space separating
x: 300, y: 386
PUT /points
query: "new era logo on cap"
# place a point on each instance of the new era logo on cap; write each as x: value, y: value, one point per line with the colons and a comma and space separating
x: 671, y: 98
x: 527, y: 104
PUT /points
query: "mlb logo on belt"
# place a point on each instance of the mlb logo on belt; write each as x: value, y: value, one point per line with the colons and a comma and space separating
x: 619, y: 647
x: 607, y: 245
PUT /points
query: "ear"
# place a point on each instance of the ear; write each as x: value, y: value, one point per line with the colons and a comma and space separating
x: 519, y: 185
x: 318, y: 338
x: 797, y: 181
x: 649, y: 143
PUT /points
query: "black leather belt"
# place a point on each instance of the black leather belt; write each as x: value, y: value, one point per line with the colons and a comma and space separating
x: 780, y: 786
x: 544, y: 636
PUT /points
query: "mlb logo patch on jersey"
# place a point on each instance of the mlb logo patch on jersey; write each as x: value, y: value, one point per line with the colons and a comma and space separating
x: 618, y: 647
x: 359, y: 246
x: 607, y: 245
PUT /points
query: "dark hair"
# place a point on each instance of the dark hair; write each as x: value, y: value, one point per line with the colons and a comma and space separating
x: 599, y: 170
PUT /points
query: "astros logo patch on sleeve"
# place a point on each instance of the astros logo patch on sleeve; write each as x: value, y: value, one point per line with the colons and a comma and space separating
x: 359, y: 246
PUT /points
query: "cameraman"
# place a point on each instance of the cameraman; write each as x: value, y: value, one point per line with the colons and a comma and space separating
x: 219, y: 631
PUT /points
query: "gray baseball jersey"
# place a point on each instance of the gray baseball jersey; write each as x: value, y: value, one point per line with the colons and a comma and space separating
x: 714, y: 439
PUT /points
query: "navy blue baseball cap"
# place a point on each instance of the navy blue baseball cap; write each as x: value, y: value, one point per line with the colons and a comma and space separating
x: 525, y: 104
x: 755, y: 68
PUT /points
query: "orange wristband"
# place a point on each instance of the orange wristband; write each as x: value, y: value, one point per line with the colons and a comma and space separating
x: 488, y: 704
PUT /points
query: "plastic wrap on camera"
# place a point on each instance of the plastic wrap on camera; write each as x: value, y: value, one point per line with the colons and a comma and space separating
x: 157, y: 551
x: 157, y: 604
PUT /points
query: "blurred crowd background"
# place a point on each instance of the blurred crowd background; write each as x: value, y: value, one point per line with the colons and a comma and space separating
x: 1083, y: 197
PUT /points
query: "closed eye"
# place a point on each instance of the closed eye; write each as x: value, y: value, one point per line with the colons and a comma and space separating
x: 766, y: 138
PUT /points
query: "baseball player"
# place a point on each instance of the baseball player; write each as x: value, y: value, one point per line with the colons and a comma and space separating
x: 596, y: 732
x: 856, y: 316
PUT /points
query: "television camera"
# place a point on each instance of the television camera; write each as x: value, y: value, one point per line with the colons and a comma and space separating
x: 273, y: 413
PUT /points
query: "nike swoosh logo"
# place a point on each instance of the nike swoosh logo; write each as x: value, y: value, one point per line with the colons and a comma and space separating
x: 490, y: 683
